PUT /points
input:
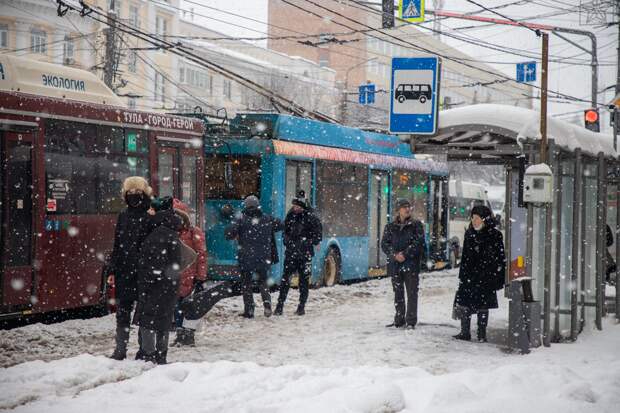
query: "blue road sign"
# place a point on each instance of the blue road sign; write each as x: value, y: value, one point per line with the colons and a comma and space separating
x: 526, y: 72
x: 411, y: 10
x: 366, y: 94
x: 414, y: 95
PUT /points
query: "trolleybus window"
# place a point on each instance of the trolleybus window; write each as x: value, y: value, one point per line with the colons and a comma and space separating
x: 414, y: 187
x: 188, y: 183
x: 232, y: 178
x: 342, y: 199
x: 86, y: 164
x: 298, y: 178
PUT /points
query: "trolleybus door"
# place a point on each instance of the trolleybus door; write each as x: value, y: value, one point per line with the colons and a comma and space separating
x: 16, y: 219
x: 379, y: 200
x: 179, y: 174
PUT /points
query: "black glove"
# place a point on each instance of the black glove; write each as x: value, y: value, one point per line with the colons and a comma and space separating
x: 198, y: 286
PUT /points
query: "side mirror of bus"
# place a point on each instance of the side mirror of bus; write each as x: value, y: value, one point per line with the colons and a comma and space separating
x: 227, y: 212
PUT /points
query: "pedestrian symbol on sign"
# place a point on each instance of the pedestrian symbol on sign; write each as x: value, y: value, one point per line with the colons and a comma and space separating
x: 411, y: 10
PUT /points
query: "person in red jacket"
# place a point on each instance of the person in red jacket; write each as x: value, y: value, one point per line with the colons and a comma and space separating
x: 193, y: 277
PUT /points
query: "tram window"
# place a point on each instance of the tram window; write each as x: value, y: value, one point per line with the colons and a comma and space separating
x: 85, y: 167
x: 342, y: 199
x: 246, y: 175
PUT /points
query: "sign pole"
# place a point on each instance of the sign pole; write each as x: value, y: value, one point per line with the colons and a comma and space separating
x: 543, y: 98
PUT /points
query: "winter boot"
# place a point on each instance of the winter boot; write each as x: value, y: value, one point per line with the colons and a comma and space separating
x: 483, y: 320
x: 185, y: 337
x: 152, y: 357
x: 121, y: 338
x: 279, y: 309
x: 465, y: 333
x: 160, y: 357
x: 300, y: 309
x: 268, y: 311
x: 139, y: 355
x: 248, y: 312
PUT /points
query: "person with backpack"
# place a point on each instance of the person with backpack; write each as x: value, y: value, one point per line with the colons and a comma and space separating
x: 255, y: 234
x: 161, y: 261
x: 302, y: 233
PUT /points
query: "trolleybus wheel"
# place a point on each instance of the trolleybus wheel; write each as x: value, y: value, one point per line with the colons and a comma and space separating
x: 331, y: 269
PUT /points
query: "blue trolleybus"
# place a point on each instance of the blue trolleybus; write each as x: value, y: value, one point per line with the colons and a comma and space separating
x: 352, y: 179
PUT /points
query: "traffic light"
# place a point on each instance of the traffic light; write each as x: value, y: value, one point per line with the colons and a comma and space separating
x: 591, y: 120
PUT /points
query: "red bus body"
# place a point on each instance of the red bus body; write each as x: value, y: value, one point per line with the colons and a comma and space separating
x: 62, y: 164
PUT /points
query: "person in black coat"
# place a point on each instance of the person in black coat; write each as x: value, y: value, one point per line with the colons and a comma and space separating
x: 255, y: 233
x: 302, y: 233
x: 158, y: 283
x: 403, y: 243
x: 481, y: 274
x: 132, y: 227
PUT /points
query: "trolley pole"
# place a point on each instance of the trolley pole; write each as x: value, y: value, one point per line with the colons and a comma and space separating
x: 548, y: 209
x: 110, y: 47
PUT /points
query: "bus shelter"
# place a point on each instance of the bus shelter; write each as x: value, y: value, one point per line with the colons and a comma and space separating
x: 566, y: 250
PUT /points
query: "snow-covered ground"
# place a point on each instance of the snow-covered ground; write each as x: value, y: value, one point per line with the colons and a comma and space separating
x: 337, y: 358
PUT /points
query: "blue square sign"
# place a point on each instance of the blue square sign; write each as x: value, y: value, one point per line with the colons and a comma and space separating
x: 526, y: 72
x: 414, y: 95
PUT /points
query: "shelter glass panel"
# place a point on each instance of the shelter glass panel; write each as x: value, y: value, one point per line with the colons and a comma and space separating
x: 588, y: 281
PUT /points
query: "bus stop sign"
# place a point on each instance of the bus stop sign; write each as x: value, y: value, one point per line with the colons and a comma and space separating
x: 414, y: 95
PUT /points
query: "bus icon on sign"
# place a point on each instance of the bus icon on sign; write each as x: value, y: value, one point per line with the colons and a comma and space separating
x: 413, y: 91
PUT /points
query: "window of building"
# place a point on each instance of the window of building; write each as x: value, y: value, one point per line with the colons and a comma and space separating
x: 85, y: 165
x: 323, y: 58
x: 159, y: 88
x: 161, y: 26
x: 132, y: 61
x: 342, y: 199
x: 227, y: 89
x: 181, y: 74
x: 131, y: 103
x: 38, y: 41
x: 4, y: 35
x: 134, y: 16
x: 232, y: 178
x: 68, y: 51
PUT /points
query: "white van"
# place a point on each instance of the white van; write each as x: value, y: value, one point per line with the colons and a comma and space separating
x: 463, y: 196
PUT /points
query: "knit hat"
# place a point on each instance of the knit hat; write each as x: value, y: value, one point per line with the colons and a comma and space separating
x: 162, y: 204
x: 137, y: 183
x: 251, y: 202
x: 300, y: 200
x: 401, y: 203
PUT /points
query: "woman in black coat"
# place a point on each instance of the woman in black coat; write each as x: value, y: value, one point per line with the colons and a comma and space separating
x: 132, y: 227
x: 158, y: 283
x: 482, y: 272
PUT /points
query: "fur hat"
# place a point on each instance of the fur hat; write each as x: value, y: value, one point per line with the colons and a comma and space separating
x: 300, y: 200
x: 137, y: 183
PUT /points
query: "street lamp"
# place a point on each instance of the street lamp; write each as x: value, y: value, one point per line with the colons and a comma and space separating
x: 346, y: 85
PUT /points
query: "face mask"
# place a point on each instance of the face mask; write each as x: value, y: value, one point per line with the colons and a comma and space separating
x: 134, y: 200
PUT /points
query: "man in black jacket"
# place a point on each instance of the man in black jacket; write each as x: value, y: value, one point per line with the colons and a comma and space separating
x: 254, y: 232
x: 132, y: 227
x: 302, y: 232
x: 403, y: 243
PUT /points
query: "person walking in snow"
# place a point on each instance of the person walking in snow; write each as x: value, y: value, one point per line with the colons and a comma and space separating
x: 255, y: 233
x: 194, y: 276
x: 481, y: 274
x: 158, y: 281
x: 132, y: 227
x: 403, y: 243
x: 302, y: 233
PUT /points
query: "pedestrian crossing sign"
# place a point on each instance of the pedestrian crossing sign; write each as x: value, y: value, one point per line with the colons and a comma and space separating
x: 411, y: 10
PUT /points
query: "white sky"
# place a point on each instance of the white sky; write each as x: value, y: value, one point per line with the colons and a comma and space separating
x: 571, y: 80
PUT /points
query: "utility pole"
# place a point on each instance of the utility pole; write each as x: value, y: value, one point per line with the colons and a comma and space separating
x: 544, y: 84
x: 110, y: 47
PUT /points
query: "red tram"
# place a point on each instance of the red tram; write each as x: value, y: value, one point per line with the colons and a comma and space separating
x: 66, y: 145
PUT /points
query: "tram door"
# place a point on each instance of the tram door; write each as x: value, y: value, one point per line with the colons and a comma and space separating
x: 16, y: 212
x: 379, y: 201
x: 179, y: 174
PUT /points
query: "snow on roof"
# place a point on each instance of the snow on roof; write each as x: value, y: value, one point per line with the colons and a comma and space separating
x: 18, y: 74
x: 525, y: 124
x: 539, y: 169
